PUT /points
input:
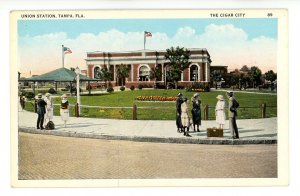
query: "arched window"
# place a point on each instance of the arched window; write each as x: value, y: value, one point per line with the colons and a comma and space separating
x: 144, y: 73
x: 194, y: 76
x: 97, y: 72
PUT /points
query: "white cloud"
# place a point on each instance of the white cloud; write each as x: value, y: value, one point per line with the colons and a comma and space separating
x: 227, y: 45
x: 185, y: 32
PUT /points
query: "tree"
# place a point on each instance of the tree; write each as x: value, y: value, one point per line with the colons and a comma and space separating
x: 271, y: 76
x: 155, y: 73
x: 245, y: 69
x: 178, y: 61
x: 255, y: 75
x: 105, y: 75
x: 123, y: 72
x: 216, y: 77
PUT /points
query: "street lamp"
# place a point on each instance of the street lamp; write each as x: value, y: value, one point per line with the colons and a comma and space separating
x: 77, y: 71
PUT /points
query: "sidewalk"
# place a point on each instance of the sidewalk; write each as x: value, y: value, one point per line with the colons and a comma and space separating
x: 252, y: 131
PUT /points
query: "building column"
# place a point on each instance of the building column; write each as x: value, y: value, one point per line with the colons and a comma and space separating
x: 207, y: 72
x: 132, y: 72
x: 162, y: 72
x: 165, y: 75
x: 198, y: 79
x: 181, y: 76
x: 115, y: 79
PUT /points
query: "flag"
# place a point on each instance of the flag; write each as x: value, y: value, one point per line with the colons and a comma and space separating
x: 67, y: 50
x: 147, y: 34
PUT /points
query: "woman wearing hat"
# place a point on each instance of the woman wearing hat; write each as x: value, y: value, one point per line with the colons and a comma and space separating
x: 196, y: 111
x: 219, y: 111
x: 49, y: 107
x: 64, y: 109
x: 40, y: 111
x: 185, y: 119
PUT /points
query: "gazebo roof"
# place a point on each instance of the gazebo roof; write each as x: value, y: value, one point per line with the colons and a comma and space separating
x: 60, y: 75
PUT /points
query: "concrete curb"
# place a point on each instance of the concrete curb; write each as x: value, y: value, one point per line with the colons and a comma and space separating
x: 184, y: 140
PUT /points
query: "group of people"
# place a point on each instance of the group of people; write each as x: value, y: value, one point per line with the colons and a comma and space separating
x: 45, y: 110
x: 183, y: 122
x: 182, y: 114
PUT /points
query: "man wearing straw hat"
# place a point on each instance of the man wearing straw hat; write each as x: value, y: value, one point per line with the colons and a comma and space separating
x: 41, y: 112
x: 232, y: 114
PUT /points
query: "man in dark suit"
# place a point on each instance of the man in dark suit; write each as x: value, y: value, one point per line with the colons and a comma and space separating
x: 232, y: 114
x: 179, y: 101
x: 41, y: 110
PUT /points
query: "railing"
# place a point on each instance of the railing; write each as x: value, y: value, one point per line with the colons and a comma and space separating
x: 137, y: 112
x: 262, y: 111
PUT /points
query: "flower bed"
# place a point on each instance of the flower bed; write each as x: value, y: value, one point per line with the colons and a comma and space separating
x: 197, y: 90
x: 155, y: 98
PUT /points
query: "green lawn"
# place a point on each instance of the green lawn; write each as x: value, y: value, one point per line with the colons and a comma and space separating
x: 126, y: 99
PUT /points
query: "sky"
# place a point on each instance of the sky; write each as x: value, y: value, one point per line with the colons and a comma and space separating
x: 230, y: 42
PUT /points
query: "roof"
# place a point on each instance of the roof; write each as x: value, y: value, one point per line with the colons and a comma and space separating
x: 59, y: 75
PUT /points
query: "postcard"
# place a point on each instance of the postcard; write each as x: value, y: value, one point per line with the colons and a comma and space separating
x: 131, y: 98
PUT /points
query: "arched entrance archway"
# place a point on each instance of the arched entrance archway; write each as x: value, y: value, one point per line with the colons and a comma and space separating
x: 144, y: 73
x: 194, y: 73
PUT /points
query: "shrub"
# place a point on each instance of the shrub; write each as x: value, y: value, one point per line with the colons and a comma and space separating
x: 160, y: 86
x: 140, y: 86
x: 52, y: 91
x: 23, y: 93
x: 132, y: 87
x: 122, y: 88
x: 198, y: 87
x: 110, y: 89
x: 29, y: 95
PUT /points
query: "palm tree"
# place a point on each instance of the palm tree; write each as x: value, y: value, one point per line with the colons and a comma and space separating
x: 105, y: 75
x: 122, y: 73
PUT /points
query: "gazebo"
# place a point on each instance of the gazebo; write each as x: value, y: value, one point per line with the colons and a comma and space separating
x: 59, y: 75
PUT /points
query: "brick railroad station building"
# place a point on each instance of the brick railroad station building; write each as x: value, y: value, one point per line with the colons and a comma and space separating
x: 141, y: 62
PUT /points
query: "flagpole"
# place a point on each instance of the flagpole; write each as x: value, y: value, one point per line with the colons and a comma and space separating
x: 63, y: 56
x: 144, y: 40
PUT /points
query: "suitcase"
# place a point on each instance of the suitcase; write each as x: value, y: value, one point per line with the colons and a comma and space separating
x: 50, y: 126
x: 214, y: 132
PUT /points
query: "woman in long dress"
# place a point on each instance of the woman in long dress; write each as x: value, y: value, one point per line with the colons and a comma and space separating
x: 196, y: 111
x: 64, y: 109
x: 219, y: 111
x: 185, y: 118
x: 49, y: 108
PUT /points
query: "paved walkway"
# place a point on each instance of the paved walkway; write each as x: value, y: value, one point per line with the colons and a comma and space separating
x: 253, y: 91
x: 252, y: 131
